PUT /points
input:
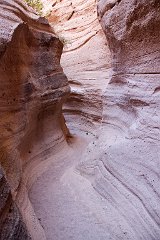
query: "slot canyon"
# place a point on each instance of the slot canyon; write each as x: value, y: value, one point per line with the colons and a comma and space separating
x: 80, y: 120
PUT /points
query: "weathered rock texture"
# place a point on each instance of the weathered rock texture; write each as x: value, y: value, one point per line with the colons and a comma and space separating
x: 111, y: 191
x: 115, y: 195
x: 85, y: 60
x: 11, y: 222
x: 125, y: 167
x: 33, y: 88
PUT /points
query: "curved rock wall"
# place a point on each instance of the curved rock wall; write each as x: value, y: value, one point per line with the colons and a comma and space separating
x: 122, y: 162
x: 125, y: 167
x: 85, y: 60
x: 132, y: 31
x: 33, y: 88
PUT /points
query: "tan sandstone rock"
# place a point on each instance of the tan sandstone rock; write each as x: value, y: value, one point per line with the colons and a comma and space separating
x: 110, y: 189
x: 33, y: 88
x: 85, y: 60
x: 115, y: 193
x: 125, y: 165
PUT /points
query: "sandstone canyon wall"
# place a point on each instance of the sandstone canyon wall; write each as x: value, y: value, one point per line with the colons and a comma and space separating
x: 105, y: 187
x: 124, y: 167
x: 122, y: 163
x: 33, y: 88
x: 85, y: 60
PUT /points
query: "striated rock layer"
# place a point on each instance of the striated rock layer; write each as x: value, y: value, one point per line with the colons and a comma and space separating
x: 115, y: 194
x: 125, y: 166
x: 85, y: 60
x: 33, y: 88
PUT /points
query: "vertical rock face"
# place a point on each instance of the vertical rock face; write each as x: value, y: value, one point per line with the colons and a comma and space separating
x: 132, y: 30
x: 86, y: 61
x: 33, y: 88
x: 125, y: 168
x: 133, y: 34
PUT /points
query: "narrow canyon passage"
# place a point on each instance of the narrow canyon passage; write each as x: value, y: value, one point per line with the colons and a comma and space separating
x: 65, y: 201
x: 80, y: 120
x: 101, y: 189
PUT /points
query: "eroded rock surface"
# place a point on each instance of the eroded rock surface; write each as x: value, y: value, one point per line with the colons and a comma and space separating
x: 33, y: 88
x: 113, y: 193
x: 110, y: 189
x: 125, y: 166
x: 85, y: 60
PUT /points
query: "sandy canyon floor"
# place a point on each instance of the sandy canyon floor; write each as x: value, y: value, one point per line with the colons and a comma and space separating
x: 65, y: 202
